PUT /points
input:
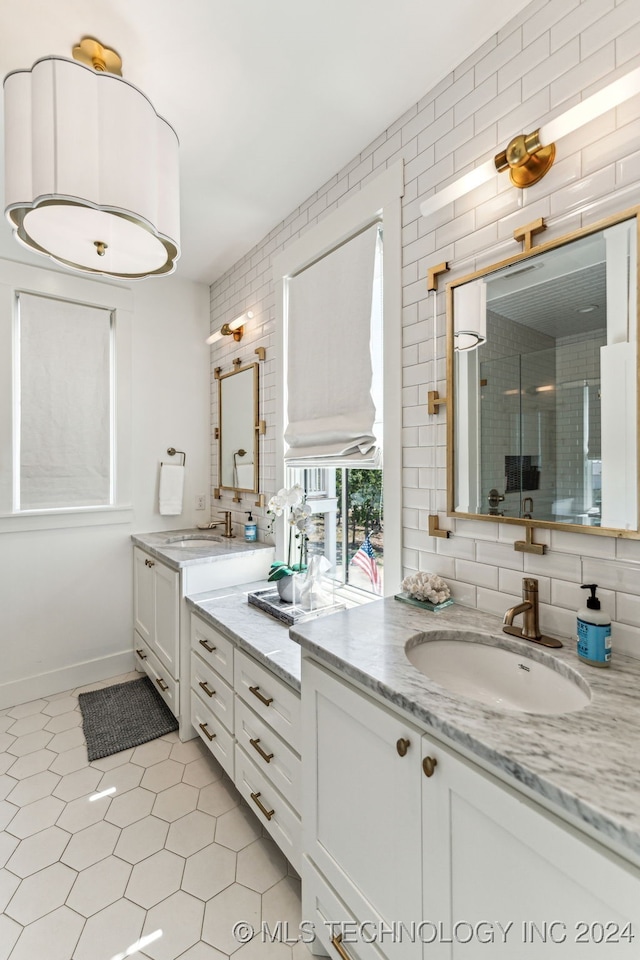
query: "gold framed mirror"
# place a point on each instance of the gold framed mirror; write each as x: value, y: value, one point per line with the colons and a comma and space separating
x: 542, y: 385
x: 238, y: 429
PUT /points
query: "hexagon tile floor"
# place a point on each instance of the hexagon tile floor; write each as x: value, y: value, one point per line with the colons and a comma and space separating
x: 151, y: 852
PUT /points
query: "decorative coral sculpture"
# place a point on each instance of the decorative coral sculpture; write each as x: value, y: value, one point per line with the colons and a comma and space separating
x: 426, y: 586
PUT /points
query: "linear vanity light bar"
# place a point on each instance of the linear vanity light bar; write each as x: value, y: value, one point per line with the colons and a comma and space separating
x: 235, y: 328
x: 529, y: 156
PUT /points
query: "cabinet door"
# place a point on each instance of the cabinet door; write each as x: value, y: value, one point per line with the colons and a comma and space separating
x: 361, y: 802
x: 166, y: 641
x: 143, y: 594
x: 512, y: 880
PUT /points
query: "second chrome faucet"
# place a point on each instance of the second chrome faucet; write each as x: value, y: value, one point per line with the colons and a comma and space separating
x: 530, y: 629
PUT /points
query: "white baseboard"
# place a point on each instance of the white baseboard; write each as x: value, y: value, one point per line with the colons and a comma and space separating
x: 67, y: 678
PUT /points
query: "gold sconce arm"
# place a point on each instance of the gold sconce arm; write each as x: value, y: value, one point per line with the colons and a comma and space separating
x: 526, y: 159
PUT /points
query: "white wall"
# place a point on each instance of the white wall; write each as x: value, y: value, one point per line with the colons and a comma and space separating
x: 66, y: 595
x: 535, y: 68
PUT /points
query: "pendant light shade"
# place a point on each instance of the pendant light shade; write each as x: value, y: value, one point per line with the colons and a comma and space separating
x: 91, y: 171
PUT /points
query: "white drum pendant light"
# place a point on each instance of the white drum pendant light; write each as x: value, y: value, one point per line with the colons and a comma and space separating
x: 91, y: 170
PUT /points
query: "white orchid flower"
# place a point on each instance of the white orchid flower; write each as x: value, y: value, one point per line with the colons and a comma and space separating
x: 295, y: 495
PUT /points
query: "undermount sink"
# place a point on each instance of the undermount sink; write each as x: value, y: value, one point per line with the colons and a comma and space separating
x: 504, y: 679
x: 194, y: 541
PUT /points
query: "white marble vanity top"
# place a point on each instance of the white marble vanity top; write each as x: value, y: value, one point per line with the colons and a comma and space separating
x: 259, y: 634
x: 179, y: 557
x: 584, y: 764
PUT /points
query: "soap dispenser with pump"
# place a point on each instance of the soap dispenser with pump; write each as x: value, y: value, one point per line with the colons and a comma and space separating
x: 250, y: 528
x: 594, y: 631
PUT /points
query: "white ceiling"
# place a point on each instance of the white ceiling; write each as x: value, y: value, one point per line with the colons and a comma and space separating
x: 270, y: 98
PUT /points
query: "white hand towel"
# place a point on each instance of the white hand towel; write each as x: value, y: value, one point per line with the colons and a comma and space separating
x: 171, y: 489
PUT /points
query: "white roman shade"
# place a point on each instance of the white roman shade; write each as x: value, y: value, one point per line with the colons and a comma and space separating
x: 331, y: 412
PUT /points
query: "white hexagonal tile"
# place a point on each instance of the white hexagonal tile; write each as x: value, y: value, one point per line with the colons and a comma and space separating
x: 142, y: 839
x: 180, y: 919
x: 31, y: 742
x: 53, y: 936
x: 282, y: 903
x: 265, y: 948
x: 123, y: 778
x: 7, y: 784
x: 162, y: 775
x: 31, y: 764
x: 7, y: 846
x: 5, y: 722
x: 99, y: 886
x: 64, y: 721
x: 78, y: 784
x: 186, y: 752
x: 261, y: 864
x: 150, y: 753
x: 6, y: 741
x: 217, y: 798
x: 37, y: 852
x: 33, y: 788
x: 8, y: 886
x: 155, y: 879
x: 82, y: 812
x: 19, y: 728
x: 62, y: 705
x: 191, y: 833
x: 67, y: 740
x: 175, y: 802
x: 90, y: 845
x: 209, y: 871
x: 70, y: 760
x: 131, y: 806
x: 234, y: 903
x: 6, y: 761
x: 7, y: 812
x: 203, y: 951
x: 35, y: 817
x: 110, y: 932
x: 238, y: 828
x: 26, y: 709
x: 113, y: 760
x: 9, y: 933
x: 199, y: 773
x: 41, y: 893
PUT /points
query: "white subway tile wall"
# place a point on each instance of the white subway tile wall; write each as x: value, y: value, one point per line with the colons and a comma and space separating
x: 537, y: 66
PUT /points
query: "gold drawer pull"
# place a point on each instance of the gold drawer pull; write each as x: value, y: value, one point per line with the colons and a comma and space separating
x: 402, y: 746
x: 268, y: 757
x: 207, y: 646
x: 207, y: 689
x: 429, y: 765
x: 336, y: 942
x: 163, y: 686
x: 209, y: 736
x: 268, y: 813
x: 141, y: 654
x: 256, y: 692
x: 149, y: 563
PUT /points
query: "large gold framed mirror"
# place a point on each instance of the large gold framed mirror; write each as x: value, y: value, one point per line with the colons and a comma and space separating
x: 238, y: 443
x: 542, y: 384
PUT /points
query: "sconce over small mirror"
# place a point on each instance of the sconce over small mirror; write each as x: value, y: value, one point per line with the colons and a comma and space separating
x: 238, y: 443
x: 542, y: 367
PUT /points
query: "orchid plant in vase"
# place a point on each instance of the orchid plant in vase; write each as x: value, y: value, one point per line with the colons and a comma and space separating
x: 292, y: 504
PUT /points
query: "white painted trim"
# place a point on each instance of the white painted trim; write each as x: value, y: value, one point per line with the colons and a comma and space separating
x: 67, y: 678
x: 61, y: 519
x: 378, y: 199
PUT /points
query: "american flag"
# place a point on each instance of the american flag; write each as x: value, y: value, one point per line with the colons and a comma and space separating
x: 365, y: 559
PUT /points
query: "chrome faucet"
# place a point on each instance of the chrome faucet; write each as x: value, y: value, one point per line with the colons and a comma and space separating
x: 226, y: 519
x: 530, y: 629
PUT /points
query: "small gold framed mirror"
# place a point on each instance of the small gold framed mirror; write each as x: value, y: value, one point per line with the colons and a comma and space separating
x: 238, y: 443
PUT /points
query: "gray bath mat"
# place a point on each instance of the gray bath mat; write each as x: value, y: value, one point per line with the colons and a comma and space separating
x: 123, y: 716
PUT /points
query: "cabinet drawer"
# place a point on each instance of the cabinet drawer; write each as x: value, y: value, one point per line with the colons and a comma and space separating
x: 214, y: 649
x: 212, y: 690
x: 270, y: 754
x: 167, y: 687
x: 213, y: 734
x: 273, y: 812
x: 271, y: 698
x: 331, y: 918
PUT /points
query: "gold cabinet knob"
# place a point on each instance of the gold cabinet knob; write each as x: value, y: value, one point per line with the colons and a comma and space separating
x: 402, y: 746
x: 429, y: 765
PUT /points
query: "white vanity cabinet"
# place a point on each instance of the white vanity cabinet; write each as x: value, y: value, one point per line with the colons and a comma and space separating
x: 433, y: 839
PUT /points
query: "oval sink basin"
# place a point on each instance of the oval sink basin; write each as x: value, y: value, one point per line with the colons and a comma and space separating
x: 195, y: 541
x: 504, y: 679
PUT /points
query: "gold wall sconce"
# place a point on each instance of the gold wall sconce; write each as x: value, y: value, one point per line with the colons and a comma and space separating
x: 235, y: 329
x: 528, y: 157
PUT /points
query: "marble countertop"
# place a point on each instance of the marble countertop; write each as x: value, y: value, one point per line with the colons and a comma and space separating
x: 585, y: 765
x: 178, y: 557
x: 252, y: 630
